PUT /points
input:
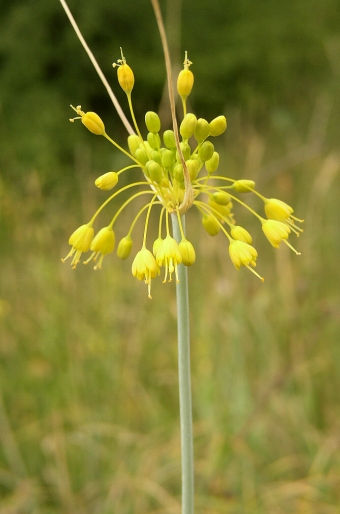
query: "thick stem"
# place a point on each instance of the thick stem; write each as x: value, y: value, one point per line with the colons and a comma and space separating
x: 184, y: 379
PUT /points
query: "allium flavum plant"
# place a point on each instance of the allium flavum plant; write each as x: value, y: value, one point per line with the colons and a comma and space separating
x: 176, y: 176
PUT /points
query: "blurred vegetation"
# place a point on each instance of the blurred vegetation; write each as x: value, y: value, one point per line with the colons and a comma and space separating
x: 88, y: 383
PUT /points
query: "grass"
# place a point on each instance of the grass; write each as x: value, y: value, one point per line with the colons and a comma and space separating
x: 88, y: 387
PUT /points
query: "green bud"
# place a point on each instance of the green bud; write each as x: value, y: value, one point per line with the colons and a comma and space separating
x: 153, y: 171
x: 220, y: 211
x: 154, y: 141
x: 202, y: 130
x: 133, y: 143
x: 193, y: 168
x: 178, y: 173
x: 211, y: 224
x: 156, y: 156
x: 218, y: 126
x: 169, y: 139
x: 186, y: 151
x: 141, y: 156
x: 243, y: 186
x: 152, y: 122
x: 168, y: 158
x: 221, y: 198
x: 211, y: 164
x: 188, y: 125
x: 206, y: 151
x: 241, y: 234
x: 124, y: 247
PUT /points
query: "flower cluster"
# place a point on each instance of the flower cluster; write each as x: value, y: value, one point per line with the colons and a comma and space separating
x: 176, y: 174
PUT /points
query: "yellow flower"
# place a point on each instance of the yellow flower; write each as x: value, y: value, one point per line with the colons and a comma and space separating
x: 145, y: 267
x: 241, y: 234
x: 277, y: 209
x: 80, y: 241
x: 102, y: 244
x: 169, y: 255
x: 243, y: 254
x: 277, y: 231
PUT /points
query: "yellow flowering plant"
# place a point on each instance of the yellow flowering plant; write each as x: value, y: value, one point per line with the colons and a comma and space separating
x: 178, y: 170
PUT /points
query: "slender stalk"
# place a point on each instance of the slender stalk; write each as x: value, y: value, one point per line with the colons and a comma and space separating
x: 184, y: 378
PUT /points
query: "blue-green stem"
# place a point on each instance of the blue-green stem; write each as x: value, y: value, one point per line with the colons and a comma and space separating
x: 184, y: 378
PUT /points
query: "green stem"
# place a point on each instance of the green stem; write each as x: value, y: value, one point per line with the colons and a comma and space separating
x: 184, y: 379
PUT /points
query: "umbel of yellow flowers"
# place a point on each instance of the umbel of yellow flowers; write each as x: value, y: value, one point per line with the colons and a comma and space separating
x: 170, y: 167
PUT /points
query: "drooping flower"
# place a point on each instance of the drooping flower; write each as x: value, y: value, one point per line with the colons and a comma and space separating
x: 80, y: 241
x: 145, y: 267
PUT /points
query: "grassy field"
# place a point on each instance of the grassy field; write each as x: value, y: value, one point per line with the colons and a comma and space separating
x: 89, y: 420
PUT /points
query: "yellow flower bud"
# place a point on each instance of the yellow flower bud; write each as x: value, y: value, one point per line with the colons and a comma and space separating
x: 188, y: 252
x: 153, y: 171
x: 243, y: 186
x: 241, y: 234
x: 202, y: 130
x: 107, y: 181
x: 125, y: 75
x: 168, y: 158
x: 188, y: 125
x: 169, y: 139
x: 193, y: 168
x: 152, y: 122
x: 211, y: 164
x: 133, y: 143
x: 211, y: 224
x: 91, y: 120
x: 178, y: 172
x: 186, y: 152
x: 218, y: 126
x: 220, y: 211
x: 221, y: 197
x: 206, y: 151
x: 154, y: 140
x: 185, y: 79
x: 141, y: 156
x: 124, y: 247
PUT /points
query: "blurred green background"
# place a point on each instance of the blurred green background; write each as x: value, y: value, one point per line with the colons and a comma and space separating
x: 89, y: 418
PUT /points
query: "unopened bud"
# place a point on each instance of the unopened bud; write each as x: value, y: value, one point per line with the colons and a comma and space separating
x: 187, y: 252
x: 185, y: 80
x: 193, y: 168
x: 154, y: 140
x: 241, y: 234
x: 221, y: 197
x: 211, y: 224
x: 211, y: 164
x: 124, y: 247
x: 188, y: 125
x: 202, y: 130
x: 169, y: 139
x: 133, y: 143
x: 218, y: 126
x: 153, y: 171
x: 107, y: 181
x: 168, y: 158
x: 141, y: 156
x: 206, y: 151
x: 152, y: 122
x: 243, y: 186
